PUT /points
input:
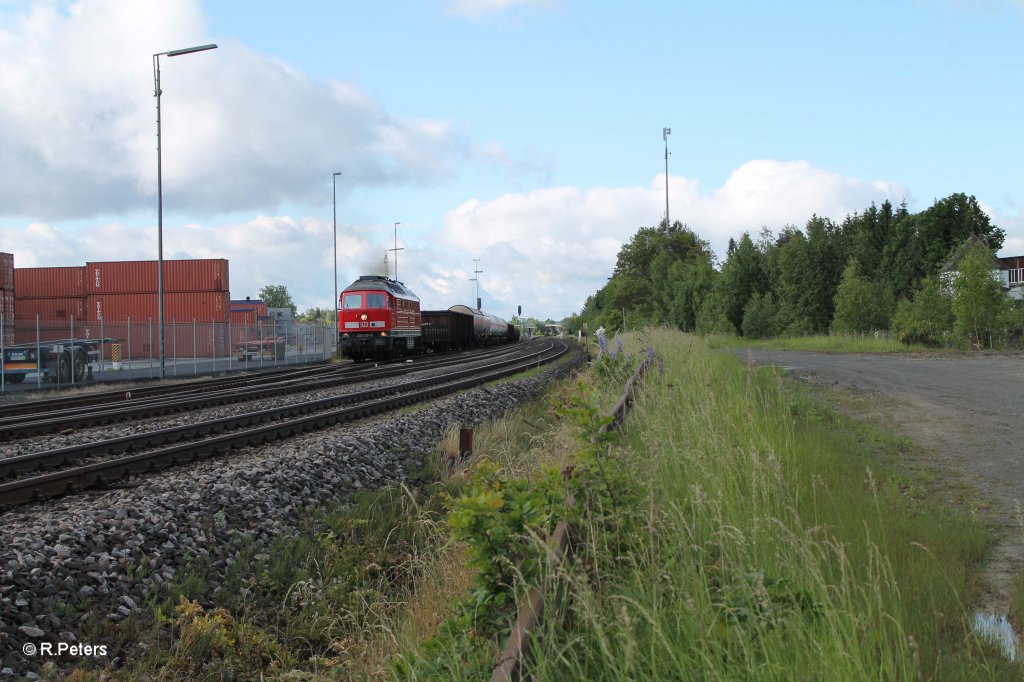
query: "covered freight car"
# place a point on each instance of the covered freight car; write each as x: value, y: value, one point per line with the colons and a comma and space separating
x: 487, y: 329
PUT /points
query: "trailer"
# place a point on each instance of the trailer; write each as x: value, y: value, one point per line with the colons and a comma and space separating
x: 272, y: 347
x: 56, y: 361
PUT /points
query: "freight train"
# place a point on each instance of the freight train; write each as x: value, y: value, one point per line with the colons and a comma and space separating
x: 379, y: 318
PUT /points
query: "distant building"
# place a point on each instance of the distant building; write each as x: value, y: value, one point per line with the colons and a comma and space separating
x: 1011, y: 275
x: 1009, y: 271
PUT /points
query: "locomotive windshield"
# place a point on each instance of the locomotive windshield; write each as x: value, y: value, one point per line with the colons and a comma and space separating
x: 354, y: 301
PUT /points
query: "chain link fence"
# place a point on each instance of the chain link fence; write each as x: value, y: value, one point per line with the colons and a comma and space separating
x: 131, y: 349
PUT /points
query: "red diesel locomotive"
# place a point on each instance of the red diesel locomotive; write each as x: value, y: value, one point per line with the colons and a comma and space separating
x: 379, y: 317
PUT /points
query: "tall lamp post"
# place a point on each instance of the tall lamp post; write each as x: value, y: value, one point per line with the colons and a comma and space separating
x: 334, y: 180
x: 160, y: 193
x: 665, y: 132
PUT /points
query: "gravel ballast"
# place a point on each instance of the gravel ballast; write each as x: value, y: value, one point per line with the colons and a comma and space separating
x: 87, y: 548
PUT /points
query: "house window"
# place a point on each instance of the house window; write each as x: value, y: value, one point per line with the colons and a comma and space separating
x: 1015, y: 275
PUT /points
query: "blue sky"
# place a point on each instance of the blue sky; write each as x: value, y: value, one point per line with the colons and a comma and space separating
x: 525, y: 133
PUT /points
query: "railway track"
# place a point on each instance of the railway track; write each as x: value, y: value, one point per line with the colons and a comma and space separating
x: 185, y: 444
x: 93, y: 399
x: 53, y: 416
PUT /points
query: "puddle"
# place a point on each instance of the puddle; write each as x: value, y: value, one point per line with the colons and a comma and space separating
x: 998, y: 631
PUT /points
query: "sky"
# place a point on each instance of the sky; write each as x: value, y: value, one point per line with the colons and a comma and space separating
x: 520, y: 138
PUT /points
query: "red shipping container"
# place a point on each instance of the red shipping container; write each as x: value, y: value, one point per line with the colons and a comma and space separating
x: 142, y: 341
x: 7, y: 271
x: 202, y: 306
x: 140, y: 276
x: 7, y: 315
x: 49, y: 282
x: 50, y: 309
x: 256, y: 308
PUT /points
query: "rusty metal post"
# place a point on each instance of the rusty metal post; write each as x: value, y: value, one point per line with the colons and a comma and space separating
x: 465, y: 442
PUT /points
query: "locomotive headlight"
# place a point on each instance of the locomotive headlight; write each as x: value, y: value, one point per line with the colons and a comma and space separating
x: 383, y: 333
x: 363, y: 317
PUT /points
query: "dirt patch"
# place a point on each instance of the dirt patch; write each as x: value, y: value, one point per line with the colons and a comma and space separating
x: 964, y: 415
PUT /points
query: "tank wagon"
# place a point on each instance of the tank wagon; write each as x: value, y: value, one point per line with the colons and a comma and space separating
x: 379, y: 318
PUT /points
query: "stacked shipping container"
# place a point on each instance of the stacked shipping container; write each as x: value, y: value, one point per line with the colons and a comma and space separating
x: 102, y: 297
x: 54, y: 294
x: 7, y: 296
x: 247, y: 312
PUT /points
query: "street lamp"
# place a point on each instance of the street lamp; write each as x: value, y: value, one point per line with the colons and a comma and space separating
x: 665, y: 132
x: 334, y: 180
x: 160, y: 193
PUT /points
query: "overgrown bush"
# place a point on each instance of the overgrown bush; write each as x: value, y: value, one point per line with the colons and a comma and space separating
x: 759, y: 317
x: 506, y: 524
x: 928, y: 318
x: 862, y: 306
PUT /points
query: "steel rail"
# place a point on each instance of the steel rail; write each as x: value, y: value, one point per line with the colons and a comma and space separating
x: 20, y: 464
x: 83, y: 417
x: 71, y: 480
x: 92, y: 399
x: 253, y: 377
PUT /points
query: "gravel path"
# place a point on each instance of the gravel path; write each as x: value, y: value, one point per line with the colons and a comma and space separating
x: 82, y: 547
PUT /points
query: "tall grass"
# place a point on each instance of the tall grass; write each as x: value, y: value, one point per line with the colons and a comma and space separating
x: 775, y: 548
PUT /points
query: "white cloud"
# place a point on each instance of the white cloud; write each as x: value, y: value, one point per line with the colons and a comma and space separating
x: 295, y: 252
x: 477, y: 9
x: 546, y: 250
x: 1013, y: 225
x: 241, y: 131
x: 554, y: 247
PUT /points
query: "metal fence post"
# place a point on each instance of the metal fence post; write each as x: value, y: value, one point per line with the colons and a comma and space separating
x: 71, y: 354
x: 174, y: 343
x: 39, y: 375
x: 151, y: 348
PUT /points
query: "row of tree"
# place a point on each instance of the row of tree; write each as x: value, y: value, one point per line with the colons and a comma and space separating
x: 877, y: 270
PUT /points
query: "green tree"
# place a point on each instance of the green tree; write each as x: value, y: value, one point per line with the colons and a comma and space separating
x: 928, y: 318
x: 277, y: 296
x: 809, y: 270
x: 947, y: 224
x: 759, y: 317
x: 979, y: 303
x: 317, y: 315
x: 743, y: 275
x: 901, y: 264
x: 862, y: 306
x: 712, y: 318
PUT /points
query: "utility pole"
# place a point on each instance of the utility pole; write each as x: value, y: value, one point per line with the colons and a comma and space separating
x: 334, y: 182
x: 477, y: 271
x: 665, y: 132
x: 396, y: 250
